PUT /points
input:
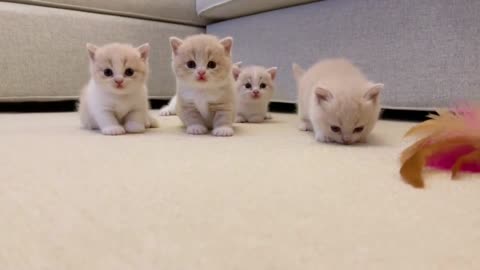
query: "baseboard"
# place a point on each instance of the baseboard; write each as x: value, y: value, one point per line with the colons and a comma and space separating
x: 54, y: 106
x: 283, y: 107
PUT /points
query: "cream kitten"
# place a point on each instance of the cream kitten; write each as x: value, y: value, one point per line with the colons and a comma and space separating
x: 336, y: 101
x: 115, y: 99
x: 171, y: 107
x: 254, y: 88
x: 205, y: 96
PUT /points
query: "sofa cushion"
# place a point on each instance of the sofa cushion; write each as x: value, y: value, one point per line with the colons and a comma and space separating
x: 178, y: 11
x: 425, y: 52
x: 45, y: 57
x: 228, y: 9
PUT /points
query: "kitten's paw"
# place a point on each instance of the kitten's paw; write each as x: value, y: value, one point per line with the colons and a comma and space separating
x: 166, y: 111
x: 113, y: 130
x: 196, y: 129
x: 240, y: 119
x: 134, y: 127
x: 151, y: 122
x: 224, y: 131
x: 256, y: 119
x: 323, y: 139
x: 304, y: 126
x: 268, y: 116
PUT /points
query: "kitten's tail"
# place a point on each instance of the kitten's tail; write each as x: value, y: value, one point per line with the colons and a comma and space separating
x: 237, y: 64
x: 171, y: 108
x: 297, y: 71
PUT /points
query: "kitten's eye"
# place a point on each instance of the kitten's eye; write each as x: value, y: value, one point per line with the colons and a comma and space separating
x: 191, y: 64
x: 129, y: 72
x: 108, y: 72
x: 358, y: 130
x: 211, y: 65
x: 248, y: 85
x: 335, y: 129
x: 262, y: 85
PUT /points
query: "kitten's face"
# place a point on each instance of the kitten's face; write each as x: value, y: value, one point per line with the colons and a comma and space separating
x: 255, y: 83
x: 346, y: 119
x: 202, y: 60
x: 119, y: 68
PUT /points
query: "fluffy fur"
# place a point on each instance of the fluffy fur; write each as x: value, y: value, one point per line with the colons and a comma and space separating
x: 254, y: 88
x: 115, y: 99
x: 171, y: 107
x: 205, y: 97
x: 336, y: 101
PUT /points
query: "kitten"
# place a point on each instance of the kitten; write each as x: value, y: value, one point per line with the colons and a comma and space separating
x: 171, y: 107
x: 115, y: 99
x: 254, y: 88
x: 205, y: 96
x: 336, y: 101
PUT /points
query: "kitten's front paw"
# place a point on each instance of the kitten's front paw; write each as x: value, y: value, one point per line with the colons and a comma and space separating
x: 240, y: 119
x: 196, y: 129
x: 319, y: 137
x: 166, y: 111
x: 268, y: 116
x: 304, y: 126
x: 256, y: 119
x: 323, y: 139
x: 134, y: 127
x: 224, y: 131
x: 113, y: 130
x: 151, y: 122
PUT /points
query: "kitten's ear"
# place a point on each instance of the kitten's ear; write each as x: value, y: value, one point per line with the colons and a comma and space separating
x: 322, y: 95
x: 175, y: 43
x: 236, y: 71
x: 273, y: 72
x: 227, y: 43
x: 373, y: 92
x: 144, y: 51
x: 297, y: 71
x: 91, y: 50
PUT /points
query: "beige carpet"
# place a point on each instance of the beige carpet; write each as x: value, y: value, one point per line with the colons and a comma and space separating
x: 269, y: 198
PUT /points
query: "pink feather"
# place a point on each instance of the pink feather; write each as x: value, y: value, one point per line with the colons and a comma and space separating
x: 446, y: 160
x: 470, y: 116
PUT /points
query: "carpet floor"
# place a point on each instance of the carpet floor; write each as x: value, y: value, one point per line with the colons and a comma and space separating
x: 268, y: 198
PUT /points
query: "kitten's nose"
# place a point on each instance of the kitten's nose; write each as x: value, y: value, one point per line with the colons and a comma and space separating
x: 201, y: 72
x: 118, y: 80
x: 256, y: 92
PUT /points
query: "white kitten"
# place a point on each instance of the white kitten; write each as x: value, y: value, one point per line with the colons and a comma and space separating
x: 336, y: 101
x: 115, y: 100
x: 205, y: 96
x: 254, y: 88
x: 171, y: 107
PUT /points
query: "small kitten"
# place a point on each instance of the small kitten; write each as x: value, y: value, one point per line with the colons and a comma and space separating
x: 205, y: 97
x: 115, y: 100
x: 254, y: 88
x: 170, y: 108
x: 336, y: 101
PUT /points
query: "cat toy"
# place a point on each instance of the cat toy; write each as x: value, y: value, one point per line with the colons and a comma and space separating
x: 449, y: 140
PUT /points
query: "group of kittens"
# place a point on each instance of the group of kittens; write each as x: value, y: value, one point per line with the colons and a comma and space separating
x: 335, y: 100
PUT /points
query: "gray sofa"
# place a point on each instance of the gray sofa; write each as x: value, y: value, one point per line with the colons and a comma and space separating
x: 426, y: 52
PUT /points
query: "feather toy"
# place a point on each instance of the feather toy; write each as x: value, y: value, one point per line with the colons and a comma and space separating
x: 448, y: 141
